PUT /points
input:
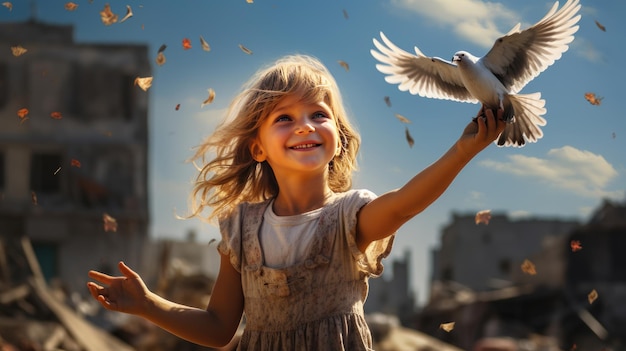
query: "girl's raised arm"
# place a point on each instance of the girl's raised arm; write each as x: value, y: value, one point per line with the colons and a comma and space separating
x: 213, y: 327
x: 384, y: 215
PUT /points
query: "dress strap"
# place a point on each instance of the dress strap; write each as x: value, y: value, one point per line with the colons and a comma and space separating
x: 322, y: 246
x: 252, y: 218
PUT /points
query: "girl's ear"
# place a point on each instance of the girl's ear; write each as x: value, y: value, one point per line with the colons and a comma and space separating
x: 257, y: 152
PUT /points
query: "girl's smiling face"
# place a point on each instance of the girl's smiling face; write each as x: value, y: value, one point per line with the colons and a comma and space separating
x: 297, y: 136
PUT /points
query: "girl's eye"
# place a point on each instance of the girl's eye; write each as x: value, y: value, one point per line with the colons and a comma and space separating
x: 283, y: 118
x: 319, y: 115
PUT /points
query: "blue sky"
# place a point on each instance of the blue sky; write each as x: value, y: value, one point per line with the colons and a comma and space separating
x: 579, y: 161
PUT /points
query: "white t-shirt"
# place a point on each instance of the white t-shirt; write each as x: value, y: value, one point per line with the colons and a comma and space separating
x: 285, y: 239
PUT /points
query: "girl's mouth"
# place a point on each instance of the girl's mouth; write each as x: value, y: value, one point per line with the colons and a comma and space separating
x: 304, y: 146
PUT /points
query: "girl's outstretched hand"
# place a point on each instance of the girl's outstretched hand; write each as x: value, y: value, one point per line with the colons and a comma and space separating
x: 127, y: 293
x: 481, y: 131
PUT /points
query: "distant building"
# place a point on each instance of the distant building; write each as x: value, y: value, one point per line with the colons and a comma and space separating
x: 79, y: 152
x: 573, y: 298
x: 597, y: 273
x: 164, y: 260
x: 485, y: 257
x: 393, y: 295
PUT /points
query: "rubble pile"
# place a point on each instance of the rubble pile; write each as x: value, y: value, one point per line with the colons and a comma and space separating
x: 33, y: 316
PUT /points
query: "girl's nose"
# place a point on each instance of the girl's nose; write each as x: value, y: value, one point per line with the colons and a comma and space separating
x: 305, y: 127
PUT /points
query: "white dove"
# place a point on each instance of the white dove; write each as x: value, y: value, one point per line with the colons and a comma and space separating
x: 494, y: 79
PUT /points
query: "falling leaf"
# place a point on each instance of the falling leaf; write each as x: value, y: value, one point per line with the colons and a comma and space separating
x: 160, y: 59
x: 388, y: 101
x: 447, y: 326
x: 593, y: 99
x: 186, y: 44
x: 210, y: 98
x: 56, y: 115
x: 344, y: 64
x: 75, y: 163
x: 593, y: 295
x: 245, y: 49
x: 108, y: 17
x: 22, y: 113
x: 483, y: 217
x: 528, y: 267
x: 212, y: 241
x: 177, y: 107
x: 409, y: 138
x: 613, y: 135
x: 575, y: 245
x: 144, y: 83
x: 602, y: 28
x: 110, y: 223
x: 8, y: 5
x: 33, y: 198
x: 70, y: 6
x: 402, y: 118
x: 345, y: 14
x: 249, y: 1
x: 204, y: 44
x: 129, y: 14
x: 18, y: 50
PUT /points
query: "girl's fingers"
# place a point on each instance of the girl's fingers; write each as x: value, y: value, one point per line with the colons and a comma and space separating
x: 493, y: 123
x: 101, y: 277
x: 106, y: 303
x: 482, y: 128
x: 99, y: 293
x: 126, y: 271
x: 95, y: 290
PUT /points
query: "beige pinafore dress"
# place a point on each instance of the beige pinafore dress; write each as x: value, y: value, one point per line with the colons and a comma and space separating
x: 316, y: 304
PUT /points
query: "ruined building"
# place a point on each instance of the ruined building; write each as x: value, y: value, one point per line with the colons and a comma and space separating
x: 73, y: 147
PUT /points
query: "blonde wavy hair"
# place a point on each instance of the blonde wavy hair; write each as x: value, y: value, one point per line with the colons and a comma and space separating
x: 233, y: 176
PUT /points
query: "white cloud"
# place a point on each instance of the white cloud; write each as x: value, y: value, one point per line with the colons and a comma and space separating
x: 585, y: 49
x: 474, y: 20
x: 173, y: 203
x: 519, y: 214
x: 208, y: 118
x: 479, y: 21
x: 589, y: 11
x: 578, y: 171
x: 476, y: 198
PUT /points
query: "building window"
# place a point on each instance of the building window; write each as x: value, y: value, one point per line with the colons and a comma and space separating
x: 43, y: 177
x: 128, y: 97
x: 447, y: 274
x: 2, y: 170
x: 47, y: 256
x: 505, y: 266
x: 4, y: 84
x: 486, y: 238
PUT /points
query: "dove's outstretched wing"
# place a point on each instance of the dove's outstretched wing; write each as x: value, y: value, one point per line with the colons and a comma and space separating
x: 430, y: 77
x: 520, y: 56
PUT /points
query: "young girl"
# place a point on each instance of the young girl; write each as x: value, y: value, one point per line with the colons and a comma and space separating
x: 298, y: 246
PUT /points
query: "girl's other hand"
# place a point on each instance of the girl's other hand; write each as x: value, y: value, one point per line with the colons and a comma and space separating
x: 127, y: 293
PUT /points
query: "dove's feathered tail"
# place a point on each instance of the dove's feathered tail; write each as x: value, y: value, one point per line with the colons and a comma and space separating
x: 528, y: 109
